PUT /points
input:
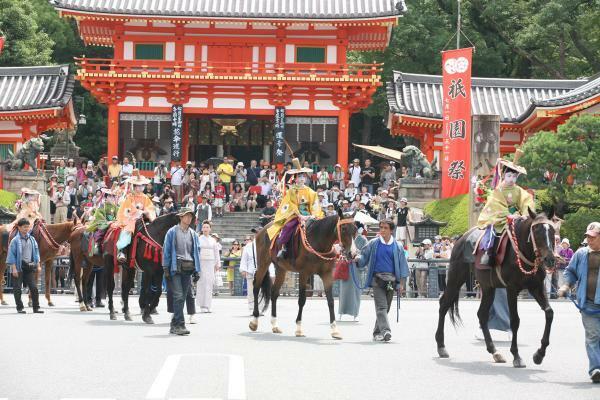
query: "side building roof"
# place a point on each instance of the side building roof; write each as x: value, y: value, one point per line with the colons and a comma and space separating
x: 513, y: 99
x: 34, y: 88
x: 248, y: 9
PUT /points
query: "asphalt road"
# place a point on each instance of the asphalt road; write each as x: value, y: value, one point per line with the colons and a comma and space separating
x: 67, y: 354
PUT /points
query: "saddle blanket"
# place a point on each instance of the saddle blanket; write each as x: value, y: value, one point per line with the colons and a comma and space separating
x: 473, y: 253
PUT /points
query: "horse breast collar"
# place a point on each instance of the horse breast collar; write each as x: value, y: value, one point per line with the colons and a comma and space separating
x: 530, y: 239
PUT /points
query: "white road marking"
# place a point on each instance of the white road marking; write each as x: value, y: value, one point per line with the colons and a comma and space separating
x: 236, y: 387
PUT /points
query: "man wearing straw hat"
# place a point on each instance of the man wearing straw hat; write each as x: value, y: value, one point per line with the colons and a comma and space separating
x: 507, y: 199
x: 298, y: 204
x: 135, y: 205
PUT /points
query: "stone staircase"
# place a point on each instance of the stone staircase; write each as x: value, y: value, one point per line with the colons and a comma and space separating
x: 234, y: 225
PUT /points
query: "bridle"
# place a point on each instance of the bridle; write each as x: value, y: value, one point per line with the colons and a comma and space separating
x: 530, y: 239
x: 331, y: 254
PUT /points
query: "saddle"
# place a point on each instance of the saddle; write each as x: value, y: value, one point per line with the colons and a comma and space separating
x: 293, y: 246
x: 473, y: 253
x: 109, y: 244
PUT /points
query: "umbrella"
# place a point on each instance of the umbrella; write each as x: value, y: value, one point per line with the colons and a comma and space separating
x: 365, y: 218
x: 383, y: 152
x: 214, y: 160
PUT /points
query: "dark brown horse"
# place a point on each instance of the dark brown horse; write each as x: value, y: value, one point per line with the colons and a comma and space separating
x: 313, y: 256
x: 49, y: 237
x: 529, y: 254
x: 82, y: 264
x: 153, y: 234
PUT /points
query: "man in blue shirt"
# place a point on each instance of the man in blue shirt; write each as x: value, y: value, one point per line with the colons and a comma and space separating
x: 583, y: 270
x: 387, y: 267
x: 24, y: 260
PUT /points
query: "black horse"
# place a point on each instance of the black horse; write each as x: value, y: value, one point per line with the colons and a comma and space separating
x: 315, y: 256
x: 148, y: 257
x: 522, y: 268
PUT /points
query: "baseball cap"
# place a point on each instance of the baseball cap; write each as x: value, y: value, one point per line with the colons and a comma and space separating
x: 404, y: 200
x: 593, y: 229
x: 426, y: 241
x: 565, y: 240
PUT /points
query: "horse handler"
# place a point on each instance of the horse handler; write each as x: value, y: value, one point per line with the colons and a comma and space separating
x: 24, y: 260
x: 387, y: 266
x: 583, y: 270
x: 181, y: 258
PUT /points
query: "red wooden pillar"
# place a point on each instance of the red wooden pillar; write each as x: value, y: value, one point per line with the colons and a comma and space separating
x: 26, y: 133
x: 113, y: 131
x: 428, y: 144
x: 343, y: 137
x: 185, y: 140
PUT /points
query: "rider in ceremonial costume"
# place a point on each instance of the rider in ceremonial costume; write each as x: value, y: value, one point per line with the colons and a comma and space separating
x: 103, y: 216
x: 135, y: 204
x: 28, y: 207
x: 507, y: 199
x: 298, y: 204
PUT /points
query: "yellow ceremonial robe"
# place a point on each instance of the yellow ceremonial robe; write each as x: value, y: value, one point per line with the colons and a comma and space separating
x: 297, y: 201
x: 505, y: 201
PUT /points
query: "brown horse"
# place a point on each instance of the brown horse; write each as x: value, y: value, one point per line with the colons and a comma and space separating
x: 314, y: 255
x: 81, y: 264
x: 49, y: 238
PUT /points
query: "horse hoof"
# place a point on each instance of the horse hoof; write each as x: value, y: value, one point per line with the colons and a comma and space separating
x: 518, y: 363
x: 82, y: 307
x: 50, y: 304
x: 499, y: 358
x: 253, y: 326
x: 148, y: 319
x: 113, y: 317
x: 300, y: 334
x: 128, y: 317
x: 336, y: 335
x: 88, y: 308
x: 4, y: 303
x: 277, y: 329
x: 29, y: 303
x: 443, y: 353
x: 153, y: 312
x: 538, y: 358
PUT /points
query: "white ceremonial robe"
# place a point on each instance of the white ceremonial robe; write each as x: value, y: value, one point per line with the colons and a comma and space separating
x: 210, y: 260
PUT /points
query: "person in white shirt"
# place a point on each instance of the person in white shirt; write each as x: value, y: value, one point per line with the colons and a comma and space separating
x: 248, y: 269
x: 350, y: 192
x: 126, y: 169
x: 160, y: 177
x: 323, y: 200
x: 354, y: 170
x: 177, y: 173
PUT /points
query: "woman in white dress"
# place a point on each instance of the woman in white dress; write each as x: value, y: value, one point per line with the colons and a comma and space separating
x: 210, y: 262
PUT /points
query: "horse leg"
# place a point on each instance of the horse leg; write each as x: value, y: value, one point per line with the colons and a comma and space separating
x: 515, y: 321
x: 49, y: 272
x: 335, y: 333
x: 279, y: 279
x: 539, y: 294
x: 76, y: 266
x: 2, y: 271
x: 110, y: 284
x: 86, y: 273
x: 302, y: 280
x: 128, y: 277
x: 262, y: 273
x: 487, y: 299
x: 157, y: 278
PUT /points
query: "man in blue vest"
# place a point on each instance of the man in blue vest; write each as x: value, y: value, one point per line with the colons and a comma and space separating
x: 23, y: 259
x: 387, y: 267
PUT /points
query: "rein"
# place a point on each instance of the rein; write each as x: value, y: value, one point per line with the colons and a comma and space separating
x: 520, y: 256
x: 48, y: 237
x: 151, y: 244
x: 327, y: 255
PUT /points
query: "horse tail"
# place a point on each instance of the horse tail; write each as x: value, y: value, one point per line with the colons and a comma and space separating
x: 458, y: 273
x: 265, y: 291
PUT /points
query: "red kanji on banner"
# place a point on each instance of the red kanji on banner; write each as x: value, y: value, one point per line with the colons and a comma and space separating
x: 2, y: 40
x: 456, y: 153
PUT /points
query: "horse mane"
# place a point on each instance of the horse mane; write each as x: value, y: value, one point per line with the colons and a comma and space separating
x: 319, y: 229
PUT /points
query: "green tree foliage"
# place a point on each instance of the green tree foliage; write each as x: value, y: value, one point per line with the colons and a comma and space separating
x: 570, y: 156
x: 25, y: 44
x: 575, y: 224
x: 454, y: 211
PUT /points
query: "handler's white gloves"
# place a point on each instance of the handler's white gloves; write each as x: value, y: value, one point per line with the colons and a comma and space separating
x: 563, y: 290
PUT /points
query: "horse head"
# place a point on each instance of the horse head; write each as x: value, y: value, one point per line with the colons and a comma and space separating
x: 158, y: 228
x: 346, y: 231
x: 538, y: 230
